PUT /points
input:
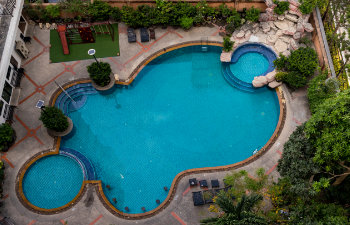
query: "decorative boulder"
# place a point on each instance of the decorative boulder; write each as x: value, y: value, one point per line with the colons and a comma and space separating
x: 259, y: 81
x: 225, y: 56
x: 293, y: 44
x: 308, y: 27
x: 275, y: 84
x: 280, y: 46
x: 271, y: 76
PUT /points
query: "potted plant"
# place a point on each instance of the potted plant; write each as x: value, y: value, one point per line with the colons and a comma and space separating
x: 56, y: 122
x: 7, y: 136
x: 101, y: 75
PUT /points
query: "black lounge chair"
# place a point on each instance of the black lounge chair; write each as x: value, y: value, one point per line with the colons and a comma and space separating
x: 203, y: 184
x: 131, y: 35
x: 193, y: 182
x: 144, y: 35
x: 197, y: 198
x: 215, y: 184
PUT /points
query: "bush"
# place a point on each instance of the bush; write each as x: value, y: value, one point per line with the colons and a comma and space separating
x: 233, y: 22
x: 186, y: 23
x: 319, y: 90
x: 6, y: 136
x: 281, y: 62
x: 53, y: 11
x: 224, y: 12
x: 99, y: 11
x: 295, y: 80
x: 99, y: 73
x: 228, y: 44
x: 54, y: 119
x: 116, y: 14
x: 252, y: 14
x: 281, y: 7
x: 303, y: 60
x: 280, y: 76
x: 307, y: 6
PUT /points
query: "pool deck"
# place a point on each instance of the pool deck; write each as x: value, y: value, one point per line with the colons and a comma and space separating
x: 32, y: 138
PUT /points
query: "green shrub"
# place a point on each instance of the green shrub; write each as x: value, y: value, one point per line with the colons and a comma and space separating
x: 116, y: 14
x: 99, y: 11
x: 281, y: 62
x: 186, y: 23
x: 6, y: 136
x: 224, y: 12
x: 252, y: 14
x: 280, y: 76
x: 281, y: 7
x: 319, y: 90
x: 233, y: 22
x: 307, y: 6
x: 295, y: 80
x: 228, y: 44
x: 54, y: 119
x: 99, y: 73
x: 53, y: 11
x: 303, y: 60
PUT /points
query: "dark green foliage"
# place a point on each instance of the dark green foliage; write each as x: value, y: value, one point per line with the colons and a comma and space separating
x: 319, y: 90
x: 297, y: 162
x: 233, y: 22
x: 280, y: 76
x: 53, y: 11
x: 318, y: 213
x: 303, y: 60
x: 224, y: 12
x: 295, y: 80
x: 116, y: 14
x: 329, y: 131
x: 300, y: 65
x: 6, y: 136
x: 228, y: 44
x: 100, y: 11
x: 252, y: 14
x: 239, y: 212
x: 99, y: 73
x: 307, y: 6
x: 130, y: 16
x: 281, y: 62
x: 281, y: 7
x: 186, y: 23
x: 54, y: 119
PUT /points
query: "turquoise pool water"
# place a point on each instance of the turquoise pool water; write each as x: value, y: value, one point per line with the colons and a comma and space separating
x: 249, y: 65
x: 178, y: 114
x: 52, y: 181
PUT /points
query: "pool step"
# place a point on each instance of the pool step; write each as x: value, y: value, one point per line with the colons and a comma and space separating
x: 234, y: 81
x: 78, y: 93
x: 85, y: 164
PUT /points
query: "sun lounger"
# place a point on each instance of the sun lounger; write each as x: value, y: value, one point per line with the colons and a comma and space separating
x: 203, y: 184
x: 131, y: 35
x: 193, y: 182
x: 215, y: 184
x: 197, y: 198
x: 144, y: 35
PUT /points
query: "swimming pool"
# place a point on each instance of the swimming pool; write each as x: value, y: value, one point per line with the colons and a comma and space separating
x: 179, y: 113
x: 52, y: 181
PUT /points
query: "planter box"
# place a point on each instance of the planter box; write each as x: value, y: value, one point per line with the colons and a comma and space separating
x: 108, y: 86
x: 53, y: 133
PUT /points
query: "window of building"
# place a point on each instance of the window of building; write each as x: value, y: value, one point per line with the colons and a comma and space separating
x: 6, y: 92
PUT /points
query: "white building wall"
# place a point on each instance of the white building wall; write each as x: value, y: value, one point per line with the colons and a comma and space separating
x: 9, y: 47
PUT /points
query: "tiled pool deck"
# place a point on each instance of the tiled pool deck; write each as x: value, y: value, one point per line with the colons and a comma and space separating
x: 32, y: 138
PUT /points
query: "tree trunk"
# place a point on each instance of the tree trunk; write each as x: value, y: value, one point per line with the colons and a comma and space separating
x: 326, y: 12
x: 341, y: 178
x: 342, y: 68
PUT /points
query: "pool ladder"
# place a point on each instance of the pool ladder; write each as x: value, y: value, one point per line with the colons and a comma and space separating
x: 204, y: 41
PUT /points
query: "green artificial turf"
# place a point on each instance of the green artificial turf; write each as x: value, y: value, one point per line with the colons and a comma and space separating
x: 104, y: 46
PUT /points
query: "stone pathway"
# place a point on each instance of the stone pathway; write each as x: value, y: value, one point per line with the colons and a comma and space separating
x: 32, y: 138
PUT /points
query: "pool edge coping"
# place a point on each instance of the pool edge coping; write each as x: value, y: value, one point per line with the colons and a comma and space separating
x: 172, y: 191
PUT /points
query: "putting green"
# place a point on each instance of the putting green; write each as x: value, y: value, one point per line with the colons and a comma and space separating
x: 104, y: 46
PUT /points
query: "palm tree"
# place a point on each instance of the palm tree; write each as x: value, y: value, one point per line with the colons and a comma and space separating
x: 239, y: 213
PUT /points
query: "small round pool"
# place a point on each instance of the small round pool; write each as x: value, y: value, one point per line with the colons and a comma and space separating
x: 52, y: 181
